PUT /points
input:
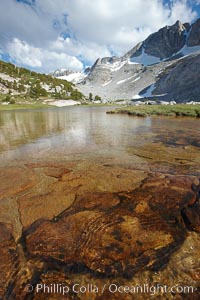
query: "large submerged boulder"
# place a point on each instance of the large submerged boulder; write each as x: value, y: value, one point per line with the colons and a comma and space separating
x: 120, y: 233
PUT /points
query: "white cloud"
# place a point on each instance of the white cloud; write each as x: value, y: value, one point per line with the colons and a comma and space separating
x: 88, y: 51
x: 123, y: 24
x: 24, y: 22
x: 42, y: 59
x: 23, y: 53
x: 181, y: 11
x: 94, y: 28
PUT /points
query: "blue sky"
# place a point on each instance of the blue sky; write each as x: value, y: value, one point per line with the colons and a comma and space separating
x: 44, y: 35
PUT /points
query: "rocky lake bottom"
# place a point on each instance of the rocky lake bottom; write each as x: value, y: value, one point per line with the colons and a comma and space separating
x: 97, y: 206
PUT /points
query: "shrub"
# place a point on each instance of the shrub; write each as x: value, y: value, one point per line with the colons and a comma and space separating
x: 6, y: 99
x: 12, y: 101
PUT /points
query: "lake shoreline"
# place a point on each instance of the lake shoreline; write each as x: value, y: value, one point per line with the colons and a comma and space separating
x: 12, y: 107
x: 178, y: 110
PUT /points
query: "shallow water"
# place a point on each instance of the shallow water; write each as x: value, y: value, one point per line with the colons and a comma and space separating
x: 55, y: 161
x: 86, y: 132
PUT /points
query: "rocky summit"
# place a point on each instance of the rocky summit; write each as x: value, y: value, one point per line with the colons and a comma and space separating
x: 164, y: 43
x: 172, y: 52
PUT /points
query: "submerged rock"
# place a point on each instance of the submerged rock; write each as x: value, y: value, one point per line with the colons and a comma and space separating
x: 130, y: 231
x: 8, y: 259
x: 107, y: 237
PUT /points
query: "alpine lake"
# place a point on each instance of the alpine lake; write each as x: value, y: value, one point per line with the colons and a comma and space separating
x: 99, y: 204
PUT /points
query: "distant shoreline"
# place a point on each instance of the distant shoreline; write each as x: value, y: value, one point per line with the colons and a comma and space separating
x: 10, y: 107
x: 23, y: 106
x: 178, y: 110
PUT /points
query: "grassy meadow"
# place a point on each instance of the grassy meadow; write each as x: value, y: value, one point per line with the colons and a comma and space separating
x: 159, y: 110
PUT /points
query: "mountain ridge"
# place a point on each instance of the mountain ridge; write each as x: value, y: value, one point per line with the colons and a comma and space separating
x: 128, y: 76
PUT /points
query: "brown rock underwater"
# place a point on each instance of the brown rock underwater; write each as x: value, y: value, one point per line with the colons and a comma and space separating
x: 128, y: 237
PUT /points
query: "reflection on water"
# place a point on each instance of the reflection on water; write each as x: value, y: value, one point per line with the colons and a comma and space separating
x: 72, y: 130
x: 75, y: 130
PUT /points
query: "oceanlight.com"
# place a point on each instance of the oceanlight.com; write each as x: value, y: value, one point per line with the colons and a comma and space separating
x: 76, y: 288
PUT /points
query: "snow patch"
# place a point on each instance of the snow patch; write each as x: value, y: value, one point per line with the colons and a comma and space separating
x: 136, y: 79
x: 61, y: 103
x: 132, y: 62
x: 124, y: 80
x: 106, y: 83
x: 117, y: 65
x: 136, y: 97
x: 145, y: 59
x: 74, y: 77
x: 185, y: 51
x: 113, y: 67
x: 149, y: 91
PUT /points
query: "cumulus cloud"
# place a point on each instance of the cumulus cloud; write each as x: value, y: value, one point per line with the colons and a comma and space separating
x: 181, y: 11
x: 87, y: 51
x: 25, y: 54
x: 25, y: 22
x: 45, y: 33
x: 123, y: 24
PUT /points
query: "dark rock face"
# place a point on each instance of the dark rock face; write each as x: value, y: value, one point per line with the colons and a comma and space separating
x: 135, y: 51
x: 194, y: 36
x: 166, y: 41
x: 180, y: 81
x: 8, y: 259
x: 121, y: 233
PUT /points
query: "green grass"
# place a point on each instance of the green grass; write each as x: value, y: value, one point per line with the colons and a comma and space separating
x: 40, y: 105
x: 162, y: 110
x: 23, y: 106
